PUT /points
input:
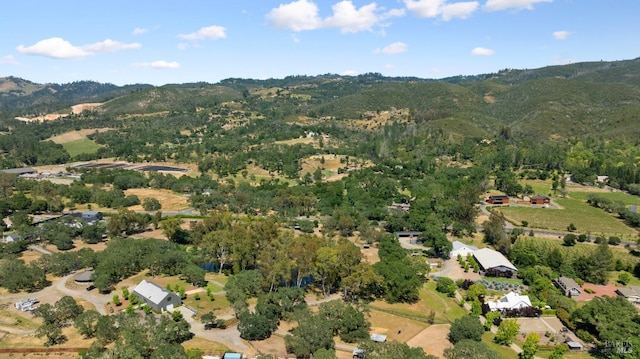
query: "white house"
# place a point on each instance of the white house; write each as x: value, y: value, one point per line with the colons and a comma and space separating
x: 156, y: 297
x: 510, y: 301
x: 462, y: 249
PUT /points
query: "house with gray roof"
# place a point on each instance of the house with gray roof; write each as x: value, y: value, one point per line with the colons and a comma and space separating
x: 494, y: 263
x: 631, y: 293
x: 568, y: 286
x: 156, y: 297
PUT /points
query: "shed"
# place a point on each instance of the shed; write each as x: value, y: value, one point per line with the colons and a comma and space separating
x: 12, y: 238
x: 84, y: 277
x: 19, y: 171
x: 498, y: 199
x: 155, y: 296
x: 574, y: 345
x: 232, y: 356
x: 92, y: 216
x: 380, y: 338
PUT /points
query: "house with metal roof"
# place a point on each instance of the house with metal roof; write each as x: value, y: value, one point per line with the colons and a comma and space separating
x: 494, y: 263
x: 156, y: 297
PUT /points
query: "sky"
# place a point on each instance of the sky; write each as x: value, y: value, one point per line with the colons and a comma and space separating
x: 169, y: 41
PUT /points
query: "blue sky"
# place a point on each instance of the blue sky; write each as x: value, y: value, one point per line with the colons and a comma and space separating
x: 162, y: 41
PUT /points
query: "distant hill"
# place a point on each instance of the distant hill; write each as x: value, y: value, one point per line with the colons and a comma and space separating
x: 589, y: 98
x: 22, y: 96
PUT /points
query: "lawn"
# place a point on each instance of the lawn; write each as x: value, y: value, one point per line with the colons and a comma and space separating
x: 502, y: 351
x: 219, y: 305
x: 584, y: 217
x: 616, y: 196
x: 83, y: 145
x: 446, y: 309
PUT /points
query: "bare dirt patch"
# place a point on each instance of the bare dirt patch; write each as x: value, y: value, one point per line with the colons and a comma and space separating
x: 433, y: 340
x: 76, y: 109
x: 48, y: 117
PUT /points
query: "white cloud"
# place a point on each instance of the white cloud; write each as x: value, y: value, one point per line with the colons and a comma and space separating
x: 8, y: 60
x: 139, y: 31
x: 183, y: 46
x: 496, y: 5
x: 395, y: 48
x: 392, y: 13
x: 160, y: 64
x: 349, y: 19
x: 109, y: 45
x: 561, y: 35
x: 350, y: 73
x: 436, y: 8
x: 54, y: 47
x: 461, y: 10
x: 59, y: 48
x: 214, y: 32
x: 297, y: 16
x: 295, y: 39
x: 424, y: 8
x: 301, y: 15
x: 481, y: 51
x: 389, y: 66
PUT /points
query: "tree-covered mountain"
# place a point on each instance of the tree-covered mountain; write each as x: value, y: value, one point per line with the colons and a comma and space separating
x: 565, y: 101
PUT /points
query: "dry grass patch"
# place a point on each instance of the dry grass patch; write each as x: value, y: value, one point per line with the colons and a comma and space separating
x: 207, y: 346
x: 74, y: 340
x: 273, y: 345
x: 76, y: 135
x: 395, y: 327
x: 433, y: 340
x: 169, y: 200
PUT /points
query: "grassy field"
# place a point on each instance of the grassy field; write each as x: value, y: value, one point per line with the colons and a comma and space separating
x: 576, y: 211
x: 502, y: 351
x: 617, y: 196
x: 446, y: 309
x: 83, y: 145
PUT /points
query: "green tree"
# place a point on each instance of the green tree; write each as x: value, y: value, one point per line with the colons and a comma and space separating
x: 311, y: 335
x: 507, y: 332
x: 446, y: 285
x: 467, y: 327
x: 254, y: 326
x: 570, y: 240
x: 466, y: 349
x: 86, y: 323
x: 494, y: 227
x: 151, y: 204
x: 530, y: 347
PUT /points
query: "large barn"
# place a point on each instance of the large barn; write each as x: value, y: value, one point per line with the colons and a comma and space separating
x: 494, y: 263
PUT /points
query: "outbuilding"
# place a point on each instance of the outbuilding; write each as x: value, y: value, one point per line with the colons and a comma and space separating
x: 156, y: 297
